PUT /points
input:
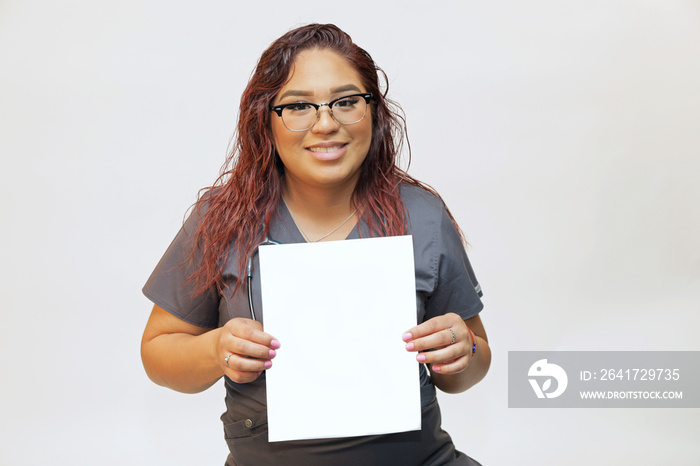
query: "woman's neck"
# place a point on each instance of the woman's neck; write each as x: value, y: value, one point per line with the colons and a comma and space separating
x: 319, y: 211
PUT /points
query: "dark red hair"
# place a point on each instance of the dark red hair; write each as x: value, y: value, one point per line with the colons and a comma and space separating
x: 238, y: 209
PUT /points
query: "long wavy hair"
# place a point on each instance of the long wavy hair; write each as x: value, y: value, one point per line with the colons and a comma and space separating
x: 237, y: 210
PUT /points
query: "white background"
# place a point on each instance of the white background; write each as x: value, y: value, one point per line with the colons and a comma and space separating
x: 562, y: 134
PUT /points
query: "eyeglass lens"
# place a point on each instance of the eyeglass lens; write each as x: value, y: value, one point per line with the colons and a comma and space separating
x: 346, y: 111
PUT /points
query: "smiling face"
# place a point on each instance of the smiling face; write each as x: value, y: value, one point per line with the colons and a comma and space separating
x: 328, y: 155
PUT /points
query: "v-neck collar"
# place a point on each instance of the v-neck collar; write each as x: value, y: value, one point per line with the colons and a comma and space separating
x: 285, y: 230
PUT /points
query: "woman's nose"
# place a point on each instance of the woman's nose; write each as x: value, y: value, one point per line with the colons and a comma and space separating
x: 325, y: 122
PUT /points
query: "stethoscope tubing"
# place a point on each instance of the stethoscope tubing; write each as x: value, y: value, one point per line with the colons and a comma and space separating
x: 249, y: 280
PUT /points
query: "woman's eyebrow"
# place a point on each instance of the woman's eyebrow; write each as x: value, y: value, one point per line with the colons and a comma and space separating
x: 296, y: 93
x: 347, y: 87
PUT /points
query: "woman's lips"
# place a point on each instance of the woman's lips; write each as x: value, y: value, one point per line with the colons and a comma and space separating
x: 327, y: 151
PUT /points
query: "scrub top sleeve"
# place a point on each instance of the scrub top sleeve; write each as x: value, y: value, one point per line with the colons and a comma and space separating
x: 168, y: 287
x: 457, y: 289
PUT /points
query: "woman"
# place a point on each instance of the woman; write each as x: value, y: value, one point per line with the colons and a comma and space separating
x: 314, y: 160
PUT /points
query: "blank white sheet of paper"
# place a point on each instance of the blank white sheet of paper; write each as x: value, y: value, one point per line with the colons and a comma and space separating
x: 339, y: 310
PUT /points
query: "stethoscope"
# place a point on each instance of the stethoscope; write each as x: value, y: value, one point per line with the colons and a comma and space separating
x: 249, y: 280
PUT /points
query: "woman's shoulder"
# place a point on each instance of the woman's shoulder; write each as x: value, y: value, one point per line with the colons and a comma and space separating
x: 428, y: 216
x: 196, y: 214
x: 421, y: 201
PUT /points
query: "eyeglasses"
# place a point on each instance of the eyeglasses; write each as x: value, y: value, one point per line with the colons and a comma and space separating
x: 301, y: 116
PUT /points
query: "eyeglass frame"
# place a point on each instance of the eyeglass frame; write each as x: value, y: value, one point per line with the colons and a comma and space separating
x: 368, y: 96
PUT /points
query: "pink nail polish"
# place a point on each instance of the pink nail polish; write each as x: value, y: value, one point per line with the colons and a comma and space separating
x: 407, y: 336
x: 421, y: 358
x: 436, y: 368
x: 275, y: 344
x: 410, y: 346
x: 273, y: 353
x: 268, y: 364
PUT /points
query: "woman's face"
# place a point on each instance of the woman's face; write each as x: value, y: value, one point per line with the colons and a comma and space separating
x: 328, y: 155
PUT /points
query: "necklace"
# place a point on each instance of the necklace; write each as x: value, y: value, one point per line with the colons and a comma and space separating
x: 306, y: 237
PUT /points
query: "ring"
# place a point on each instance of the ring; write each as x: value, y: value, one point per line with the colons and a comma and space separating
x: 226, y: 359
x: 454, y: 335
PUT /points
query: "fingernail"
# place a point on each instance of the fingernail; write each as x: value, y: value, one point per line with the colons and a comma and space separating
x: 407, y: 336
x: 273, y: 353
x: 436, y: 368
x: 410, y: 346
x: 275, y: 344
x: 421, y: 358
x: 268, y: 364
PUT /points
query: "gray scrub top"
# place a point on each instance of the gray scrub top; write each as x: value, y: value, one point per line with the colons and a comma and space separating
x: 445, y: 282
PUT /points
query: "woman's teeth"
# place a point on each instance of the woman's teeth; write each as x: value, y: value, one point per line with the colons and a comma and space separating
x: 324, y: 149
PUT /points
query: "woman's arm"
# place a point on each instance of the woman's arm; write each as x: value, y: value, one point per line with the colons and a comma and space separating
x: 453, y: 368
x: 190, y: 359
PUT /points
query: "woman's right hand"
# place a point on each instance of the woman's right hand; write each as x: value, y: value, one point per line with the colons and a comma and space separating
x: 190, y: 359
x: 244, y: 350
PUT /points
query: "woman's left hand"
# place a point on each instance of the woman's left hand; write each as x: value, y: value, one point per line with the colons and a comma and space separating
x: 443, y: 341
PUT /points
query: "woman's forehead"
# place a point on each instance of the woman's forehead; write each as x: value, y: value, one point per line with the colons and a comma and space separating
x: 321, y: 73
